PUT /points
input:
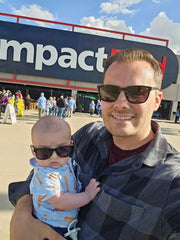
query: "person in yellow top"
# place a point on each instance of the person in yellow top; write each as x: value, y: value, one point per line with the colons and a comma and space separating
x: 11, y: 100
x: 20, y: 106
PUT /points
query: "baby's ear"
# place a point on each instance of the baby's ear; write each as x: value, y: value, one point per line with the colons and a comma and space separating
x: 32, y: 150
x: 71, y: 141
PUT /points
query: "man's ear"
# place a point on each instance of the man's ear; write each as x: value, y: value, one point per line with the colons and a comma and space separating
x: 158, y: 100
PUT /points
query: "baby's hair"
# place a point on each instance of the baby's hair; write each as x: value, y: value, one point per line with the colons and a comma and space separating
x: 52, y: 123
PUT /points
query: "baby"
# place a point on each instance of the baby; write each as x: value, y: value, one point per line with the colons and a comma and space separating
x: 55, y: 188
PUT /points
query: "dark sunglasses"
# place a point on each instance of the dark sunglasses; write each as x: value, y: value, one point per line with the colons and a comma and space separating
x: 134, y: 94
x: 61, y: 151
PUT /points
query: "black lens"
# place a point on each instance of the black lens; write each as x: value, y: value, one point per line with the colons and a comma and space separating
x: 109, y: 93
x: 64, y: 151
x: 43, y: 153
x: 137, y: 94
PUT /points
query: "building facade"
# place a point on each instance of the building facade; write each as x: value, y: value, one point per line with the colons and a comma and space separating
x: 57, y: 62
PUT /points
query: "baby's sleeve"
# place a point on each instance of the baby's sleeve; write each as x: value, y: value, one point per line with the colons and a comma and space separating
x: 45, y: 184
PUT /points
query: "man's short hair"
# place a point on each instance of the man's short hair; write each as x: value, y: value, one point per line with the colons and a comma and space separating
x: 132, y: 55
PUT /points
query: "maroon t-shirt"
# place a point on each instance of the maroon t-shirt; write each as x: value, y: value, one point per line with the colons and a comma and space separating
x: 117, y: 154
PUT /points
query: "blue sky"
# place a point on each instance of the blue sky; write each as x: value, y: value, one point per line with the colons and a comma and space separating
x: 155, y: 18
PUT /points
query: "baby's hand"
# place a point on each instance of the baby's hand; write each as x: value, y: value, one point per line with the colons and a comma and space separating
x: 92, y: 188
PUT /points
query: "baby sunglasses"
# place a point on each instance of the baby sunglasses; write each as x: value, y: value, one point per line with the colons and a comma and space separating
x: 134, y: 94
x: 61, y: 151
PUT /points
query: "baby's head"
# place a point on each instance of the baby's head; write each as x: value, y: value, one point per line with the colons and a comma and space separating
x: 49, y: 133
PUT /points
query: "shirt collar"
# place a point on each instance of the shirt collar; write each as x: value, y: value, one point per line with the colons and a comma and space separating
x: 158, y: 149
x: 154, y: 155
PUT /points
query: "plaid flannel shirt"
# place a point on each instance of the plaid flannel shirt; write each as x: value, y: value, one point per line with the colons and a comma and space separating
x: 140, y: 195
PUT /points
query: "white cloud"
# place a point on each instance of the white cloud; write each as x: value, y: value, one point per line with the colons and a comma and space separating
x: 155, y: 1
x: 118, y: 25
x: 118, y: 6
x: 108, y: 24
x: 35, y: 11
x: 111, y: 24
x: 160, y: 27
x: 92, y: 22
x: 163, y: 27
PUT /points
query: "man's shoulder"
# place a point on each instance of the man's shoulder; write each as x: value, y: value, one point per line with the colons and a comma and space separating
x: 93, y: 127
x: 90, y: 130
x: 167, y: 170
x: 172, y: 163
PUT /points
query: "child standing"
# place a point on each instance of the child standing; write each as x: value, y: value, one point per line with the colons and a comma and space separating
x: 54, y: 186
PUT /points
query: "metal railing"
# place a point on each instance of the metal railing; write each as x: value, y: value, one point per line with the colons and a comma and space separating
x: 73, y: 28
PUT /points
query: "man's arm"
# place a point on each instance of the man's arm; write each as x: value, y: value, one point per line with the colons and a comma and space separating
x: 171, y: 213
x: 24, y: 226
x: 18, y: 189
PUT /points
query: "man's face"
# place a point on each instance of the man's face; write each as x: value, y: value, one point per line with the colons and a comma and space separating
x: 126, y: 120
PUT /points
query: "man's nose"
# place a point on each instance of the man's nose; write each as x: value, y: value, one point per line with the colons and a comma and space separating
x: 122, y: 100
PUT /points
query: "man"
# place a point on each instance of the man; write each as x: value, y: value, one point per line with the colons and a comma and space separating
x: 138, y: 170
x: 99, y: 108
x: 41, y: 105
x: 177, y: 115
x: 70, y: 106
x: 61, y: 106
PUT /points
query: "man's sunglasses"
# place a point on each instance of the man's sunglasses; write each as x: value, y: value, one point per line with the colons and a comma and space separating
x: 61, y: 151
x: 134, y: 94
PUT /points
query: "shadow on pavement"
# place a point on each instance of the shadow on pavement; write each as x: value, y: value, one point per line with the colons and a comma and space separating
x: 5, y: 203
x: 170, y: 131
x: 174, y: 128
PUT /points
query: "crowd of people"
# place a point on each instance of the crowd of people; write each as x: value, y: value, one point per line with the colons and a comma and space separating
x: 97, y: 107
x: 7, y: 97
x: 62, y: 107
